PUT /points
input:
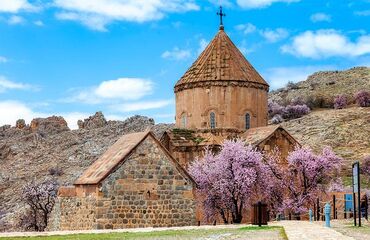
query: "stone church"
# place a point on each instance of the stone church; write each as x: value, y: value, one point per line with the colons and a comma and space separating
x: 142, y: 181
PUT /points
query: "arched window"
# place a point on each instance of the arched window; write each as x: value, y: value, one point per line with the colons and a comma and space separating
x: 183, y: 121
x: 212, y: 120
x: 247, y: 121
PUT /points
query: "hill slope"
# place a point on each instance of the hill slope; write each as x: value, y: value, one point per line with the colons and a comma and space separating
x: 324, y: 86
x: 347, y: 131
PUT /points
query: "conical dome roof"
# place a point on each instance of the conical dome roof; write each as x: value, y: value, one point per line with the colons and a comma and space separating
x: 220, y: 61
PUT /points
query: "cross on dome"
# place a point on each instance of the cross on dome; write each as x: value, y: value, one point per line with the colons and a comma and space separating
x: 221, y: 14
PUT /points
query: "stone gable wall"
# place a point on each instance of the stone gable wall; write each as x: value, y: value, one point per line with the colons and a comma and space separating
x: 147, y: 190
x: 279, y: 140
x: 73, y: 213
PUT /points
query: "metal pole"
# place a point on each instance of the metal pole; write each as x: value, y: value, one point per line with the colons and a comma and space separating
x: 318, y: 209
x: 354, y: 195
x: 359, y: 194
x: 354, y: 209
x: 334, y: 217
x: 345, y: 203
x: 322, y: 214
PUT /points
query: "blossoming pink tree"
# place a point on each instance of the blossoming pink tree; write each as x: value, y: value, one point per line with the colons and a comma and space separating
x: 304, y: 176
x: 229, y: 180
x: 239, y: 175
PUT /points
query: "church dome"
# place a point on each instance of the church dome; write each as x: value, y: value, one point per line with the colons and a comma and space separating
x: 221, y: 90
x: 220, y: 61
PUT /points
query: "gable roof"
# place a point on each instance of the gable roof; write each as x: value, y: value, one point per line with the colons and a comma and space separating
x: 116, y: 154
x: 256, y: 136
x: 221, y: 61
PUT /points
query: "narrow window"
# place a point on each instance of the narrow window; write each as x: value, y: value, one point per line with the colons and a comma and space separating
x: 247, y: 121
x: 212, y: 118
x: 183, y: 121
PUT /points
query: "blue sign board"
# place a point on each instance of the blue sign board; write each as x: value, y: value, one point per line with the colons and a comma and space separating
x: 348, y: 206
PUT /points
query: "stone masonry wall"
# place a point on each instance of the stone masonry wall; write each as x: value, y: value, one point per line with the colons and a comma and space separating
x: 73, y: 213
x: 147, y: 190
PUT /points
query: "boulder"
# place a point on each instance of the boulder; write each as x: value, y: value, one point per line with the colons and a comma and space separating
x: 20, y: 124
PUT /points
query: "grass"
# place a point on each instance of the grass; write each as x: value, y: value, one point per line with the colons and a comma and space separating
x: 249, y: 232
x: 346, y: 227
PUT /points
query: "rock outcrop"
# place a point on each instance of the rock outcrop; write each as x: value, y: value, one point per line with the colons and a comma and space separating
x: 96, y: 121
x: 49, y: 126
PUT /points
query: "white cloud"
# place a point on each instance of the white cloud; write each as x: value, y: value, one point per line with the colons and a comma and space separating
x: 139, y: 106
x: 176, y: 54
x: 246, y: 28
x: 11, y: 111
x: 14, y: 6
x: 166, y: 116
x: 93, y: 22
x: 260, y: 3
x: 118, y: 89
x: 125, y: 88
x: 320, y: 17
x: 271, y: 35
x: 6, y: 84
x: 244, y: 49
x: 39, y: 23
x: 202, y: 45
x: 363, y: 13
x: 3, y: 59
x: 96, y: 14
x: 278, y: 77
x: 14, y: 20
x: 72, y: 118
x: 274, y: 35
x: 224, y: 3
x: 327, y: 43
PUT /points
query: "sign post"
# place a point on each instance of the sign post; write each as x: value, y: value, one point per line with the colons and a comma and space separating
x: 356, y: 191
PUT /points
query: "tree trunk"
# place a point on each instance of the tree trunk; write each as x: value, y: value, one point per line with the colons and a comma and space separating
x: 237, y: 215
x: 237, y: 218
x: 223, y: 216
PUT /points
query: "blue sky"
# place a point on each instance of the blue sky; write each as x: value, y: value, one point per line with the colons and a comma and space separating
x: 123, y: 57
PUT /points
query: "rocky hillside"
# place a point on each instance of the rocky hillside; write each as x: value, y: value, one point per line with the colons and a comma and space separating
x: 320, y: 88
x: 47, y: 148
x: 347, y: 131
